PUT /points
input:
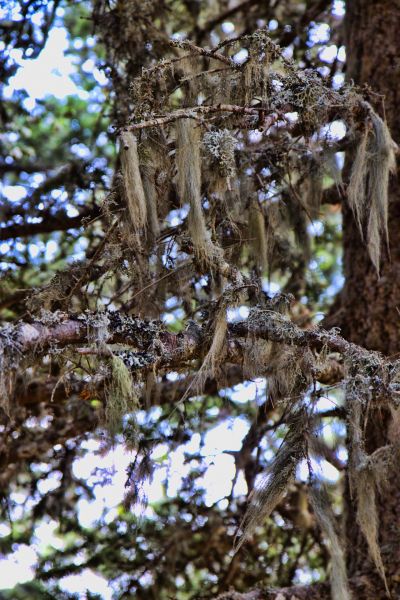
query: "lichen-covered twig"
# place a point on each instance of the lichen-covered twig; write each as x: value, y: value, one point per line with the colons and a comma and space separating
x: 192, y: 112
x: 188, y: 45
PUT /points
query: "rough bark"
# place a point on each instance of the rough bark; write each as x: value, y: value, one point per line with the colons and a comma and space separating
x: 369, y: 304
x: 168, y: 349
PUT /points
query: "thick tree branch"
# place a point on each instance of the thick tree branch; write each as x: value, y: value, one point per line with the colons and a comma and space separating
x: 162, y: 392
x: 21, y: 167
x: 57, y: 222
x: 155, y: 347
x: 144, y: 335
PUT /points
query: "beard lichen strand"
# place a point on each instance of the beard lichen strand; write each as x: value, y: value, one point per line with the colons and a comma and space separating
x: 288, y: 368
x: 133, y: 186
x: 218, y: 325
x: 313, y: 186
x: 150, y: 193
x: 11, y: 354
x: 215, y: 355
x: 155, y: 166
x: 369, y: 180
x: 288, y: 376
x: 361, y: 478
x: 6, y: 380
x: 277, y: 479
x: 275, y: 227
x: 188, y: 162
x: 326, y: 519
x: 257, y: 68
x: 256, y: 356
x: 258, y: 235
x: 382, y: 163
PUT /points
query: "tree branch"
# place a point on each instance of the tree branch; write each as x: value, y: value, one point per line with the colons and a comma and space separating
x: 361, y: 587
x: 190, y: 113
x: 57, y: 222
x: 223, y: 16
x: 62, y: 329
x: 318, y: 591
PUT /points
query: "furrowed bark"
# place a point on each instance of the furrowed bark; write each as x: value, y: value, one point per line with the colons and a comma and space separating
x: 369, y: 305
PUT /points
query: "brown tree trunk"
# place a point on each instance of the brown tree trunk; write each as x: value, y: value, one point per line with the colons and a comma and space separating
x: 370, y: 305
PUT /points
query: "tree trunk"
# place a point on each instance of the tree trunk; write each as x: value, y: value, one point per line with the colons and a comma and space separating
x: 370, y: 305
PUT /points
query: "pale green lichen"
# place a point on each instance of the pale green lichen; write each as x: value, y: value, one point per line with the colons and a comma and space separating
x: 121, y: 394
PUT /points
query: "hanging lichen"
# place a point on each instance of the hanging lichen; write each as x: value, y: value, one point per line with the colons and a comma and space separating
x: 98, y: 329
x: 287, y: 368
x: 188, y: 163
x: 361, y: 479
x: 133, y: 186
x: 278, y: 243
x: 214, y: 358
x: 10, y: 360
x: 258, y: 235
x: 256, y: 70
x: 121, y: 395
x: 277, y: 479
x: 326, y: 519
x: 312, y: 189
x: 367, y: 192
x: 155, y: 167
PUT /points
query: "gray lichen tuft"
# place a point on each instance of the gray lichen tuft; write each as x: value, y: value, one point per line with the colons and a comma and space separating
x: 98, y: 328
x: 220, y: 146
